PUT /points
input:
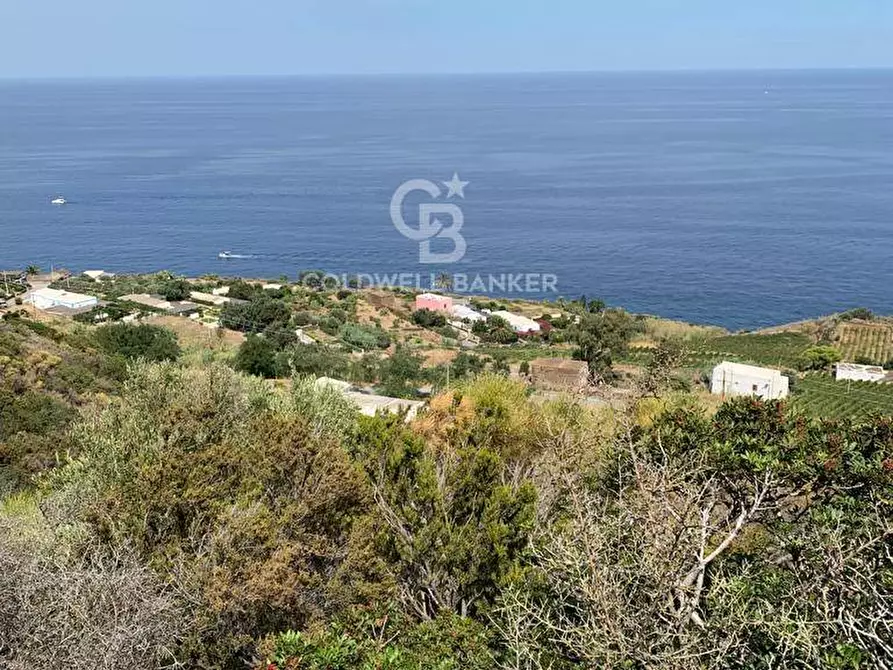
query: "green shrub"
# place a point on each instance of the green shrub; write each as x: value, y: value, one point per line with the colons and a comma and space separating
x: 176, y: 289
x: 143, y: 340
x: 257, y: 356
x: 427, y: 318
x: 364, y: 337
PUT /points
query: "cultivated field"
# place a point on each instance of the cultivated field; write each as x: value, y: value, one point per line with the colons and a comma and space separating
x: 821, y: 396
x: 869, y: 341
x: 777, y: 350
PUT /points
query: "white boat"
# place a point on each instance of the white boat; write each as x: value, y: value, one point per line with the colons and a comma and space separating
x: 224, y: 254
x: 59, y: 201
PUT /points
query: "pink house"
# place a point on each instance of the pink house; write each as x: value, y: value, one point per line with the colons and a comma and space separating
x: 436, y: 303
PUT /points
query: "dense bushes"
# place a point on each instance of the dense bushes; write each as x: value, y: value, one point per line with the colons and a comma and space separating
x: 279, y: 527
x: 143, y: 340
x: 427, y: 318
x: 364, y: 337
x: 88, y: 611
x: 262, y: 313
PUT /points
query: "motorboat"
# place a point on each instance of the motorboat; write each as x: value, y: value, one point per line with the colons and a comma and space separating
x: 59, y: 201
x: 225, y: 254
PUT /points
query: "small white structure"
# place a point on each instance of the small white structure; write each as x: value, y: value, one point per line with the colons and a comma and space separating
x: 520, y: 324
x: 337, y: 384
x: 221, y: 290
x: 47, y: 298
x: 859, y: 373
x: 303, y: 337
x: 737, y: 379
x: 369, y: 404
x: 465, y: 313
x: 271, y: 287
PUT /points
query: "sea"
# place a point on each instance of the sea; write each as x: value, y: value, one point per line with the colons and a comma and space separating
x: 741, y: 199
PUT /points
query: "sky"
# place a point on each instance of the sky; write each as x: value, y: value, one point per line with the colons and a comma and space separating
x: 187, y: 38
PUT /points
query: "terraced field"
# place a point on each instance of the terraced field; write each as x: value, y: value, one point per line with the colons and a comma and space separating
x: 776, y: 350
x: 869, y: 341
x: 820, y: 396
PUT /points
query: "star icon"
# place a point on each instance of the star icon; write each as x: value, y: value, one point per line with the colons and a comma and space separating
x: 456, y: 186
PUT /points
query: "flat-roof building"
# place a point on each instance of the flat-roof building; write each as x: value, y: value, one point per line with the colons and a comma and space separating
x: 48, y: 298
x: 520, y: 324
x: 433, y: 302
x: 735, y: 379
x: 860, y: 373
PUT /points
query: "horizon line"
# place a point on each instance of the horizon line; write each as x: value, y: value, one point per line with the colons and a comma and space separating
x: 419, y: 74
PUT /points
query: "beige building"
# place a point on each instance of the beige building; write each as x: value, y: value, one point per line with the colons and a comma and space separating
x: 559, y: 374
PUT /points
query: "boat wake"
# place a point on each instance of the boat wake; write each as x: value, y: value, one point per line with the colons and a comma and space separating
x: 228, y: 255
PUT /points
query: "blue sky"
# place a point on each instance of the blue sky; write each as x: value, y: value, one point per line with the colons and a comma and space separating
x: 61, y: 38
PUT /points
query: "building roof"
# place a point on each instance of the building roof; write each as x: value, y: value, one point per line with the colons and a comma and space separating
x: 861, y: 368
x: 329, y: 382
x: 466, y: 312
x: 432, y: 296
x: 370, y: 404
x: 749, y: 370
x: 518, y: 322
x: 209, y: 298
x: 146, y: 299
x: 157, y: 302
x: 61, y: 296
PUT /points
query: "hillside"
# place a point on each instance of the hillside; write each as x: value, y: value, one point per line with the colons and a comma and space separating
x: 213, y: 505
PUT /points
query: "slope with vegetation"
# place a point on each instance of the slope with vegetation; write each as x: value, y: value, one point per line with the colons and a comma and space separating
x: 222, y: 523
x: 165, y: 508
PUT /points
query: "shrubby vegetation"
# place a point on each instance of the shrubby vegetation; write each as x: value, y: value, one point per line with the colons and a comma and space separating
x: 133, y: 341
x: 209, y: 519
x: 428, y: 318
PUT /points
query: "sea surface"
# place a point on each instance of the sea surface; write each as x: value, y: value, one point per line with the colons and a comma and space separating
x: 741, y: 199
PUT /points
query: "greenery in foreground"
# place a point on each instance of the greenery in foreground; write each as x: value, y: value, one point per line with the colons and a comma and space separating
x: 204, y: 519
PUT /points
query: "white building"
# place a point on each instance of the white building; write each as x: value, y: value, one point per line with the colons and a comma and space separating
x: 465, y: 313
x: 369, y: 404
x: 303, y: 337
x: 47, y: 298
x: 520, y: 324
x: 859, y: 373
x: 736, y: 379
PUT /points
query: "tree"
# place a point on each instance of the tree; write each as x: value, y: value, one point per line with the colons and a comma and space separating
x: 457, y: 531
x: 242, y: 290
x: 819, y: 357
x: 400, y: 373
x: 258, y: 315
x: 257, y: 356
x: 32, y: 270
x: 495, y: 329
x: 600, y: 337
x: 666, y: 357
x: 444, y: 281
x: 176, y: 289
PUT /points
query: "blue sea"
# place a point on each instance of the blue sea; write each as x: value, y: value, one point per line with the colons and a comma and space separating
x: 740, y: 199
